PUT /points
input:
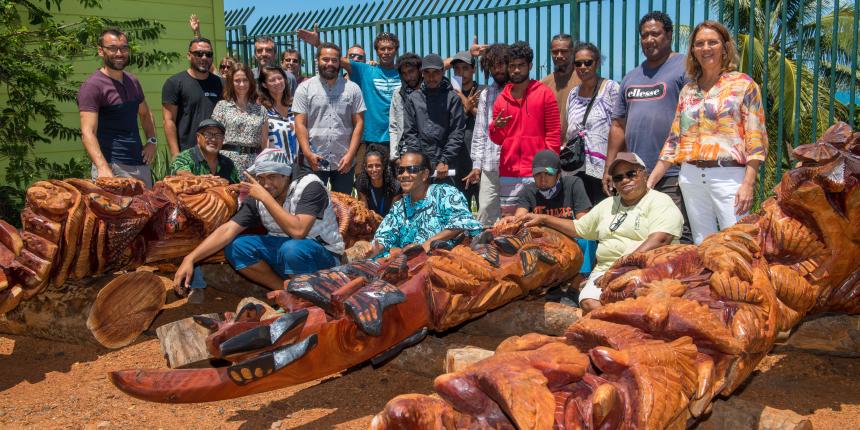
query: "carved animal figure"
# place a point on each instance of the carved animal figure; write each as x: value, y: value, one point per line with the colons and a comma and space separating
x: 365, y: 310
x: 680, y: 324
x: 75, y: 228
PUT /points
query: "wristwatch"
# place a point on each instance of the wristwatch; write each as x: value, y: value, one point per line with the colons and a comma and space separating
x: 152, y: 141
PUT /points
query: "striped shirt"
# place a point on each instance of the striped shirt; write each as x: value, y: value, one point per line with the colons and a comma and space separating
x: 485, y: 154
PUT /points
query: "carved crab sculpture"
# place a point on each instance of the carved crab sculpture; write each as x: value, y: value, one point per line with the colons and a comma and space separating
x: 680, y: 324
x: 75, y: 228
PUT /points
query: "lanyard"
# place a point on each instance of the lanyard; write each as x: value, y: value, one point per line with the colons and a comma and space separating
x: 381, y: 202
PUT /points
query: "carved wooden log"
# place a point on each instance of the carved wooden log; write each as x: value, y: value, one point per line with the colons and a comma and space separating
x: 126, y: 306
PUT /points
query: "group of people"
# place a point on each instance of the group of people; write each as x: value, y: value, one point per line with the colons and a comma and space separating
x: 671, y: 152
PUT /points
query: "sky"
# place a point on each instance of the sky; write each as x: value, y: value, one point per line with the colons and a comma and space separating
x: 280, y: 7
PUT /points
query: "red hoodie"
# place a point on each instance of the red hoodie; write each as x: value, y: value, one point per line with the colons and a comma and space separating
x: 533, y: 127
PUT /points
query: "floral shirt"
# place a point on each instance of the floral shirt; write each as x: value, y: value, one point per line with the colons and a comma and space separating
x: 596, y: 130
x: 243, y: 127
x: 408, y: 222
x: 725, y: 123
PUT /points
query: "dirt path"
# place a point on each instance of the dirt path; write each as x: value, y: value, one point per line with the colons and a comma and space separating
x: 54, y: 385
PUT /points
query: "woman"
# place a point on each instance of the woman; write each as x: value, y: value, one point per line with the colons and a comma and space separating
x: 586, y: 61
x: 224, y: 66
x: 246, y: 122
x: 376, y: 187
x: 718, y: 136
x: 275, y: 96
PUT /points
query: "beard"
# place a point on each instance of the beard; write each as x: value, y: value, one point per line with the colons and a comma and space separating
x: 519, y: 79
x: 329, y: 72
x: 501, y: 79
x: 115, y: 63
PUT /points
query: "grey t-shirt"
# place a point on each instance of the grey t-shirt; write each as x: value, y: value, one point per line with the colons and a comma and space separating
x: 329, y: 111
x: 648, y: 100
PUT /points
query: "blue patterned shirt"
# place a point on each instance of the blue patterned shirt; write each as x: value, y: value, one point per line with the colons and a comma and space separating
x: 443, y: 208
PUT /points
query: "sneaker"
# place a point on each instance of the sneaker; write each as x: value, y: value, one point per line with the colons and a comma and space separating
x: 196, y: 296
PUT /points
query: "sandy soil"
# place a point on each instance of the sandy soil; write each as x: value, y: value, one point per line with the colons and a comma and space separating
x: 47, y: 384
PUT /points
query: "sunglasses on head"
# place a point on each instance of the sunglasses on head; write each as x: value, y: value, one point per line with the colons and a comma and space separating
x: 630, y: 174
x: 413, y: 169
x: 581, y: 63
x: 201, y: 54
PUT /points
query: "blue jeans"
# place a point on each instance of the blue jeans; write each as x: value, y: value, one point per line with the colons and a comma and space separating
x: 197, y: 280
x: 284, y: 255
x: 340, y: 182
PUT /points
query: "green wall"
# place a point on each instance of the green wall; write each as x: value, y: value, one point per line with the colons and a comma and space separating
x: 173, y: 14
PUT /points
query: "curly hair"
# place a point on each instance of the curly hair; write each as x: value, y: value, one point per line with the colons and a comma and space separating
x: 730, y: 52
x: 389, y: 185
x: 327, y: 45
x: 230, y: 92
x: 658, y: 16
x: 497, y: 52
x: 266, y: 98
x: 521, y: 51
x: 386, y: 36
x: 408, y: 59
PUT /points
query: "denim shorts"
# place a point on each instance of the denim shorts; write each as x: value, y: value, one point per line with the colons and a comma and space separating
x: 284, y: 255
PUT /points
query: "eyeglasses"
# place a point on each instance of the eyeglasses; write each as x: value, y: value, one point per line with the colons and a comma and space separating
x: 115, y: 49
x: 357, y: 57
x: 201, y: 54
x: 630, y: 174
x: 224, y: 66
x: 617, y: 221
x: 213, y: 136
x: 581, y: 63
x: 413, y: 169
x: 290, y: 60
x: 262, y: 50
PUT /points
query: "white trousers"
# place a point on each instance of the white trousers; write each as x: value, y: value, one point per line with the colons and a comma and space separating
x: 489, y: 205
x: 709, y: 196
x: 591, y: 290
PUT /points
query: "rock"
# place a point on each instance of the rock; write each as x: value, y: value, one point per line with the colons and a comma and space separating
x: 521, y: 317
x: 736, y: 413
x: 458, y: 359
x: 829, y: 334
x: 428, y: 358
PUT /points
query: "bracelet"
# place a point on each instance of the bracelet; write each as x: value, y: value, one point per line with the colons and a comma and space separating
x: 152, y: 141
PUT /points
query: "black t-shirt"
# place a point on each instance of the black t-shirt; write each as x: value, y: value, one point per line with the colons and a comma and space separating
x: 567, y: 201
x: 194, y: 99
x: 313, y: 202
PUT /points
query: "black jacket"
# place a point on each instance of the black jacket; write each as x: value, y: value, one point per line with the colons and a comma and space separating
x: 434, y: 123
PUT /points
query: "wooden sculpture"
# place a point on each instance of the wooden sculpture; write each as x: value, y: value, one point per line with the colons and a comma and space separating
x: 366, y: 310
x: 75, y: 229
x: 680, y: 324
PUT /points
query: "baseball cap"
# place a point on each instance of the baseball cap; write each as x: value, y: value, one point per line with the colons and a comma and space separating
x: 628, y: 157
x: 432, y: 62
x: 209, y: 122
x: 463, y: 56
x: 546, y: 161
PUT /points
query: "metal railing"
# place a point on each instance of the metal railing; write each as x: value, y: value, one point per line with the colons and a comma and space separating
x: 801, y: 53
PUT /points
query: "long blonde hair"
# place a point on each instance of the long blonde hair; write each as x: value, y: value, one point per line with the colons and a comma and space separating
x: 730, y: 51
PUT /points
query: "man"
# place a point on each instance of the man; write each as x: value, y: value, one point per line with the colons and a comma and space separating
x: 302, y: 229
x: 291, y: 61
x: 469, y: 91
x: 110, y: 103
x: 356, y: 53
x: 264, y: 53
x: 377, y: 83
x: 645, y: 109
x: 409, y: 67
x: 189, y: 97
x: 485, y: 154
x: 562, y: 80
x: 635, y: 220
x: 426, y: 212
x: 552, y: 194
x: 434, y: 123
x: 525, y: 121
x: 329, y: 120
x: 204, y: 158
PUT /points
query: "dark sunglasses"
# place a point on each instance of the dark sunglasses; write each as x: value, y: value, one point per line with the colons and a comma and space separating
x: 224, y: 66
x: 356, y: 57
x: 201, y: 54
x: 290, y: 60
x: 630, y: 174
x: 617, y: 221
x: 586, y: 63
x: 413, y: 169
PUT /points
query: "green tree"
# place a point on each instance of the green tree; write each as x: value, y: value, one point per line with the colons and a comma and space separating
x: 790, y: 35
x: 36, y: 64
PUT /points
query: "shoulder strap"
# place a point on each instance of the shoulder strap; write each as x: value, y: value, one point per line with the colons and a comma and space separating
x: 591, y: 102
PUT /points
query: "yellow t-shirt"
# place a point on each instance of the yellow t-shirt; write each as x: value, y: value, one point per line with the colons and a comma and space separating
x: 655, y: 212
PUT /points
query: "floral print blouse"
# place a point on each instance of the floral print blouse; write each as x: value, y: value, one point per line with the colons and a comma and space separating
x: 725, y: 123
x: 243, y: 127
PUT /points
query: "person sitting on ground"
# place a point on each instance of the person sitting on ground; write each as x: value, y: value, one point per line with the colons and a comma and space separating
x: 376, y: 185
x: 426, y: 212
x: 297, y: 213
x: 204, y: 159
x: 637, y: 219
